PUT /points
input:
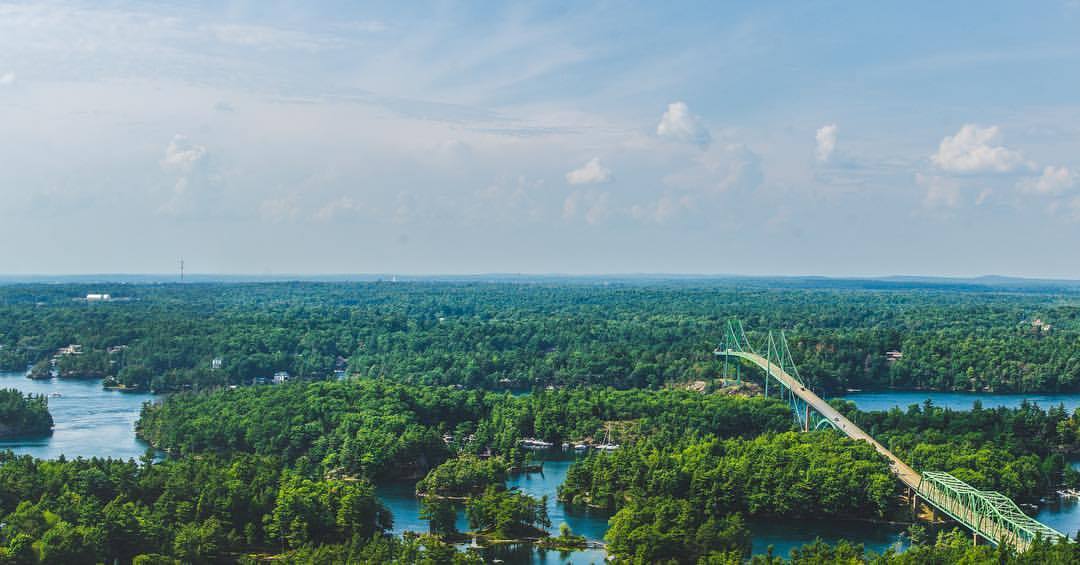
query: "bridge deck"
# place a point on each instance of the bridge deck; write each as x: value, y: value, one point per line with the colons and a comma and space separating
x: 988, y: 514
x: 902, y: 470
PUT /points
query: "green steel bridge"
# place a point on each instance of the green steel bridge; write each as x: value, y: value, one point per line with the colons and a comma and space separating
x: 988, y: 514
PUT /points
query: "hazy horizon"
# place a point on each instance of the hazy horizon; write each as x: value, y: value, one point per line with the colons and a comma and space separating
x: 568, y: 138
x: 406, y: 276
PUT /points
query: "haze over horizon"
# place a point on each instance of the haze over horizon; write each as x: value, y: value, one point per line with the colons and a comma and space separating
x: 558, y: 138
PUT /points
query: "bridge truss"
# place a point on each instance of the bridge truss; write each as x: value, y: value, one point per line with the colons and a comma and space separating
x: 989, y: 514
x: 778, y: 359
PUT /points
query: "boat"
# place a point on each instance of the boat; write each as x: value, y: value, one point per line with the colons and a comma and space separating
x: 55, y: 395
x: 580, y: 447
x: 531, y: 443
x: 607, y: 445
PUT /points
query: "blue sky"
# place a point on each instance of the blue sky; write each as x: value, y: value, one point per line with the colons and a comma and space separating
x: 747, y: 138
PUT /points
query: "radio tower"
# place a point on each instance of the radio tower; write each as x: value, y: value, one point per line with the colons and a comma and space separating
x: 181, y: 269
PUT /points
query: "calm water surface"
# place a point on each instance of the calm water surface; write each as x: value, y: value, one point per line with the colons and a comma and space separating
x: 958, y: 400
x: 592, y: 524
x: 785, y: 535
x: 88, y: 420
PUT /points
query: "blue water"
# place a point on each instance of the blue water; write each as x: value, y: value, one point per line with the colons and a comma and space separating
x: 400, y: 498
x: 88, y: 420
x: 785, y: 534
x: 583, y: 521
x: 958, y: 400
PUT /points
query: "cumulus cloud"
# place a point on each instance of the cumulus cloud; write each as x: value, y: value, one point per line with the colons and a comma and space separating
x: 826, y: 142
x: 679, y: 124
x: 592, y: 206
x: 1053, y: 180
x: 976, y: 149
x: 7, y: 79
x: 592, y: 172
x: 181, y: 155
x: 188, y: 162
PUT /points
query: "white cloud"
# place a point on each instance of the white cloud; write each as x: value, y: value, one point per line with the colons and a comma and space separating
x: 826, y: 142
x: 679, y: 124
x: 592, y: 172
x: 7, y: 79
x: 592, y: 206
x: 182, y: 156
x: 1053, y: 180
x: 189, y: 163
x: 976, y: 150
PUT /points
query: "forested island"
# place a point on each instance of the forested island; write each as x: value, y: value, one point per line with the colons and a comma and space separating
x: 23, y: 415
x: 446, y: 386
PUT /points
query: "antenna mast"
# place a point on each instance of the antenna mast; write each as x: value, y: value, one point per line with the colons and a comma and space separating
x: 181, y: 269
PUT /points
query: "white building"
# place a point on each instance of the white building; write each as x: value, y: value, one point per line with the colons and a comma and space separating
x: 281, y: 377
x: 94, y: 297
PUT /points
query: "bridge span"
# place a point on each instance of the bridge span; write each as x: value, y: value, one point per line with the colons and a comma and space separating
x: 988, y: 514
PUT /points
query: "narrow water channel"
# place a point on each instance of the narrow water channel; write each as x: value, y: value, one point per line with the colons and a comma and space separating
x: 88, y: 421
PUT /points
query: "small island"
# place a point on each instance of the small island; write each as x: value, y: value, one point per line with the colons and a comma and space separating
x: 23, y: 415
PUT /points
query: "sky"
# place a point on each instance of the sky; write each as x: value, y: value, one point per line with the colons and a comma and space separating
x: 758, y: 138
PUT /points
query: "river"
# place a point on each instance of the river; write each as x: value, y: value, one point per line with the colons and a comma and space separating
x: 93, y: 422
x: 88, y: 421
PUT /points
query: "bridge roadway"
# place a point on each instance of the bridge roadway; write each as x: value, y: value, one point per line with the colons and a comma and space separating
x: 988, y: 514
x: 903, y: 471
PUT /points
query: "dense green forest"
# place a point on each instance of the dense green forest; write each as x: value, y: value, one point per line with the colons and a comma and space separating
x: 1022, y: 452
x: 23, y: 415
x: 525, y: 335
x: 376, y: 427
x: 441, y: 383
x: 791, y: 474
x: 194, y: 509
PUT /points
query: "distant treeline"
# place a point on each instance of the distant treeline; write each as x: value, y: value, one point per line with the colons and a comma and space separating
x: 531, y: 335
